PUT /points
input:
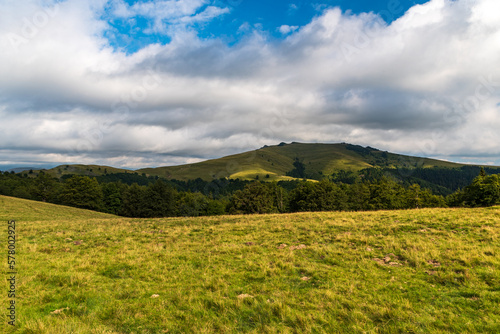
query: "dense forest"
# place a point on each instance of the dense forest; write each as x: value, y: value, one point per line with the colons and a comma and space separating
x: 134, y: 195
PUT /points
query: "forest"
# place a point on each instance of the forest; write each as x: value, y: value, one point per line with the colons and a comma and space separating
x: 134, y: 195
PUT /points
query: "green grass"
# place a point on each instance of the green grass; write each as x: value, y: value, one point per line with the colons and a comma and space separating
x: 421, y: 271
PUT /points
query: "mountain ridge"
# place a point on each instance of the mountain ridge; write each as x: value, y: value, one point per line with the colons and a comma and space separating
x: 275, y: 163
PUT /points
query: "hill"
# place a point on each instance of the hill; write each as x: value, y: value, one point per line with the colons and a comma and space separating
x: 271, y: 163
x: 318, y: 160
x: 341, y: 163
x: 12, y: 208
x: 88, y: 170
x: 418, y: 271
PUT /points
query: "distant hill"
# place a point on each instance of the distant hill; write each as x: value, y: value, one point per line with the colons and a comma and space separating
x: 88, y: 170
x: 22, y: 169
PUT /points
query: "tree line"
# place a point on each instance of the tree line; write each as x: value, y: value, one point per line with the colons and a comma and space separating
x: 156, y: 197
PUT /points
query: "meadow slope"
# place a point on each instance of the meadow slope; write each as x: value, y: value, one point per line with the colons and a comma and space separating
x: 421, y: 271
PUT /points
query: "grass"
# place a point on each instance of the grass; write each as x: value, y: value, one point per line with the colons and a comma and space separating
x: 421, y: 271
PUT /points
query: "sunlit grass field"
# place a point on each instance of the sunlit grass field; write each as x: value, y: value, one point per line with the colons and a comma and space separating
x: 420, y: 271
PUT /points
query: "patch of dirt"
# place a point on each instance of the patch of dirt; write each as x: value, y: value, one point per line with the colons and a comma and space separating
x: 282, y: 246
x: 305, y: 278
x: 434, y: 263
x: 388, y: 260
x: 77, y: 242
x: 249, y: 243
x: 298, y: 247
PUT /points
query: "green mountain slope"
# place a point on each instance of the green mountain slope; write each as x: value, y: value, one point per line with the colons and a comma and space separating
x: 277, y: 161
x: 272, y: 163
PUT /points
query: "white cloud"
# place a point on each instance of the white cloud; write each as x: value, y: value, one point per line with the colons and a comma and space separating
x: 427, y: 84
x: 286, y: 29
x: 168, y: 16
x: 292, y: 9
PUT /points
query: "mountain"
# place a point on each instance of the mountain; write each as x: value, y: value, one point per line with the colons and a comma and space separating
x: 343, y: 162
x: 280, y: 162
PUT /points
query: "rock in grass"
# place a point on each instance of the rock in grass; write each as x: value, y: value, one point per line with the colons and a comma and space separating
x: 59, y: 310
x: 243, y: 296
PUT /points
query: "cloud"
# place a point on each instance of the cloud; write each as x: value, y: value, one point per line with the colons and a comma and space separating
x: 172, y: 18
x: 427, y: 84
x: 292, y: 9
x: 286, y: 29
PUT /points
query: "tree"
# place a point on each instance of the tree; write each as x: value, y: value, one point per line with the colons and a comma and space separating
x: 159, y: 200
x: 132, y: 205
x: 254, y: 198
x: 484, y: 191
x: 82, y: 192
x: 192, y: 204
x: 299, y: 171
x: 320, y: 196
x: 385, y: 195
x: 358, y: 196
x: 112, y: 198
x: 45, y: 187
x: 216, y: 207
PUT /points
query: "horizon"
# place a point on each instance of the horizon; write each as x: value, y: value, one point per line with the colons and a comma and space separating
x: 7, y: 168
x: 170, y: 82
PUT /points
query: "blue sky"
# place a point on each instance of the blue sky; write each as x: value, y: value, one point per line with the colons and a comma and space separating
x: 131, y: 34
x: 167, y: 82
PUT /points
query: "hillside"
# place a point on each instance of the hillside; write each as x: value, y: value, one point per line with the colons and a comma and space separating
x: 12, y: 208
x: 417, y: 271
x: 271, y: 163
x: 277, y: 161
x: 90, y: 170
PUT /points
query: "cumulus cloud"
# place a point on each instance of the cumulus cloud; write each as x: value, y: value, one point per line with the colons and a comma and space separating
x: 426, y: 84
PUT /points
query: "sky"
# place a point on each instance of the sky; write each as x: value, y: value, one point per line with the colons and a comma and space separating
x: 138, y: 84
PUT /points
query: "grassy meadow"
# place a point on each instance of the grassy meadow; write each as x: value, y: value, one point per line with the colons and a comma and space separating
x: 421, y: 271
